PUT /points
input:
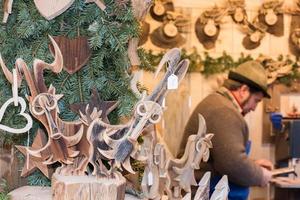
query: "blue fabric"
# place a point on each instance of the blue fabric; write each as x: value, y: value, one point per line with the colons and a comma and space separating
x: 236, y: 192
x: 276, y: 119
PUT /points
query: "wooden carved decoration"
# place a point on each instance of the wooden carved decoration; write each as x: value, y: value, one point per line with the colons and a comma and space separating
x: 166, y: 175
x: 294, y: 37
x: 255, y: 33
x: 84, y: 109
x: 271, y: 15
x: 207, y: 26
x: 7, y: 7
x: 221, y: 190
x: 159, y: 9
x: 203, y: 187
x: 31, y: 162
x: 96, y: 150
x: 275, y: 69
x: 147, y: 111
x: 51, y: 8
x: 237, y: 11
x: 17, y: 101
x: 76, y: 52
x: 170, y: 33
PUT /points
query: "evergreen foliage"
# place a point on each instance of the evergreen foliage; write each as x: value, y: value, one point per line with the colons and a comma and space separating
x: 25, y: 36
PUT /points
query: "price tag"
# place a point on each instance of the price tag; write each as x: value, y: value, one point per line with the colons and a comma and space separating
x: 150, y: 179
x: 172, y: 82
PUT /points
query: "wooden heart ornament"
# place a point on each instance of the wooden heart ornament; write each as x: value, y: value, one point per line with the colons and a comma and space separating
x: 52, y: 8
x: 76, y: 52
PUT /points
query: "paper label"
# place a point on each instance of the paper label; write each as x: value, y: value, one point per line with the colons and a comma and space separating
x: 172, y: 82
x: 150, y: 179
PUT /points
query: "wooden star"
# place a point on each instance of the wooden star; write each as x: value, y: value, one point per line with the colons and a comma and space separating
x: 95, y: 102
x: 32, y: 162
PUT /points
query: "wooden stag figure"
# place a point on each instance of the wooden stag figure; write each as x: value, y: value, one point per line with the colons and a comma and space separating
x: 165, y: 175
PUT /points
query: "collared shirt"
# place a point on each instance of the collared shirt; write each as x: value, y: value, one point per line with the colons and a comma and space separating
x: 226, y: 93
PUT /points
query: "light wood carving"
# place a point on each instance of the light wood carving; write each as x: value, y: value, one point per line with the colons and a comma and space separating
x: 203, y: 188
x: 7, y: 8
x: 275, y: 69
x: 51, y: 8
x: 76, y: 52
x: 17, y: 101
x: 221, y: 190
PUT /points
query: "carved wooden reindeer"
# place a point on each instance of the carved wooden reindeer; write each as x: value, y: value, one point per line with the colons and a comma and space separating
x: 65, y: 139
x: 165, y: 174
x: 122, y: 139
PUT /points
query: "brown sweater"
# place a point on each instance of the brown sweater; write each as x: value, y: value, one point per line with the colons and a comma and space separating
x: 228, y: 155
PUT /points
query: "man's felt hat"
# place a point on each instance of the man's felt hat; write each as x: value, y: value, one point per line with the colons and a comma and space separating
x: 253, y: 74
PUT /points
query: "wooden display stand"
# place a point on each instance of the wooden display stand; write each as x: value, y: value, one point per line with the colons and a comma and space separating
x: 87, y: 187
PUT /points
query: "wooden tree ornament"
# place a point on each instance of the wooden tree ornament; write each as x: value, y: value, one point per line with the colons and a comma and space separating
x: 76, y: 52
x: 7, y: 7
x: 16, y: 100
x: 51, y: 8
x: 31, y: 162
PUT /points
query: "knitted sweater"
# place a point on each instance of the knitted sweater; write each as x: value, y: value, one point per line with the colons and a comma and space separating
x: 228, y: 155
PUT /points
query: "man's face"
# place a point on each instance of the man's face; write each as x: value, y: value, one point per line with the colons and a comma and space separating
x: 250, y: 103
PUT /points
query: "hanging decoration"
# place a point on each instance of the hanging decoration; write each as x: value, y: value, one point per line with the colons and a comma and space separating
x: 7, y: 9
x: 275, y: 69
x: 169, y: 34
x: 76, y: 52
x: 159, y: 9
x: 284, y: 70
x: 207, y: 26
x: 271, y: 15
x: 237, y: 11
x: 255, y: 33
x: 51, y: 8
x: 17, y: 101
x: 294, y: 37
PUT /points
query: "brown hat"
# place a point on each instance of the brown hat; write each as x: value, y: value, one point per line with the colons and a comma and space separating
x: 207, y: 41
x: 277, y: 28
x: 159, y: 10
x: 253, y: 74
x: 159, y: 38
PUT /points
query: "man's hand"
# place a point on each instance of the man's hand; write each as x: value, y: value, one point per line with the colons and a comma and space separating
x: 265, y: 163
x: 267, y: 176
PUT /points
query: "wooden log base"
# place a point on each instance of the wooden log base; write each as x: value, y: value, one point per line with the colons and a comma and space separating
x: 42, y: 193
x: 87, y: 187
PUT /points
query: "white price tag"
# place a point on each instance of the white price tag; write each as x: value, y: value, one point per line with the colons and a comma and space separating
x: 172, y: 82
x: 150, y: 179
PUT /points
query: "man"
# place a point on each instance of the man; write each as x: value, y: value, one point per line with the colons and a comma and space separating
x: 223, y: 112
